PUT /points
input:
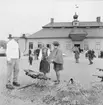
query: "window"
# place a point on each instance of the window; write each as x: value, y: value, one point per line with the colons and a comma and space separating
x: 30, y: 45
x: 48, y: 45
x: 86, y: 47
x: 75, y: 23
x: 68, y: 45
x: 97, y: 47
x: 40, y: 45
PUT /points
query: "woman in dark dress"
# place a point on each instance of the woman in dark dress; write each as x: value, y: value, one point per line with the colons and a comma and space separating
x: 44, y: 64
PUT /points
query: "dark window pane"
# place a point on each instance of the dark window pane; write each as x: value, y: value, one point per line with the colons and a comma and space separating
x: 30, y: 45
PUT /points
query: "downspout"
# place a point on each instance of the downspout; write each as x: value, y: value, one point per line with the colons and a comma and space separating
x: 24, y: 37
x: 25, y: 45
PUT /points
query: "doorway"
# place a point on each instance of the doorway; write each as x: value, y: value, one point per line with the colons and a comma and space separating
x: 77, y: 45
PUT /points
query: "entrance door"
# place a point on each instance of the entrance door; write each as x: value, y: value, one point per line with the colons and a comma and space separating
x: 77, y: 45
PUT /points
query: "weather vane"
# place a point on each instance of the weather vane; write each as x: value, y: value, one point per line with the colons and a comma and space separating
x: 76, y: 7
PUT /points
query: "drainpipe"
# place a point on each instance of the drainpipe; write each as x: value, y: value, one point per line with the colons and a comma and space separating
x: 24, y: 37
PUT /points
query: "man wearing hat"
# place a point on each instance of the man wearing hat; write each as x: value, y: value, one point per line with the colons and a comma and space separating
x: 56, y: 58
x: 13, y: 55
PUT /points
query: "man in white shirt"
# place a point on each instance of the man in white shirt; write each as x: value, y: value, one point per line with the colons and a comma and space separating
x: 13, y: 55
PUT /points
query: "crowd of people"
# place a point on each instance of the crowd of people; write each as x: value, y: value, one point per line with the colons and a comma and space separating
x: 44, y: 55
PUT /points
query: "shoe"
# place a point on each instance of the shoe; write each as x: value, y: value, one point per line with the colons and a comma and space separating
x: 91, y: 63
x: 77, y: 61
x: 16, y: 84
x: 57, y: 82
x: 9, y: 86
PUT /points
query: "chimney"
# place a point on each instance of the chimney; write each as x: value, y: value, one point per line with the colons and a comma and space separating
x: 23, y: 35
x: 98, y: 19
x: 52, y: 20
x: 10, y: 36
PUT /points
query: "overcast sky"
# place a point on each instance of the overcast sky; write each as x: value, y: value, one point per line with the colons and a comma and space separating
x: 28, y: 16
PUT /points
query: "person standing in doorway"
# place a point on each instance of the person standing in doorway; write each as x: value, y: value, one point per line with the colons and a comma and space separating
x: 76, y: 54
x: 56, y: 57
x: 13, y: 55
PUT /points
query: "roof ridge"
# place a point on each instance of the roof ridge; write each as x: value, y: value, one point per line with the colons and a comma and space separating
x: 63, y: 33
x: 79, y: 21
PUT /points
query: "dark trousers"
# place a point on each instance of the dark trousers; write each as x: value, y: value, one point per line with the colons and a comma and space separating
x: 77, y: 60
x: 90, y: 60
x: 30, y: 60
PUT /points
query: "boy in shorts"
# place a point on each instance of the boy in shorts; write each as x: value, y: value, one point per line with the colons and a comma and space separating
x: 56, y: 57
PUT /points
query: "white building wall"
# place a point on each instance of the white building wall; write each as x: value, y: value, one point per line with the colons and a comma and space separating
x: 65, y: 44
x: 22, y: 45
x: 102, y: 44
x: 95, y: 44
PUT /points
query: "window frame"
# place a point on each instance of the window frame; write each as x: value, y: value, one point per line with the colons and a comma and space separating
x: 30, y: 45
x: 97, y: 46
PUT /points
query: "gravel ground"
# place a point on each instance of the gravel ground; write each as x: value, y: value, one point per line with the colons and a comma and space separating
x: 46, y: 92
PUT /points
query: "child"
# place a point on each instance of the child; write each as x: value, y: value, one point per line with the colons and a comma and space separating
x: 30, y: 57
x: 44, y: 64
x: 56, y: 58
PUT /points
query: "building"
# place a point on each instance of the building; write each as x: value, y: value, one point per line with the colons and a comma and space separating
x: 87, y: 35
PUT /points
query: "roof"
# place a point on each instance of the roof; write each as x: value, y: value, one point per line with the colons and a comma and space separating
x: 77, y: 34
x: 76, y: 31
x: 94, y: 32
x: 65, y: 32
x: 69, y: 24
x: 43, y: 33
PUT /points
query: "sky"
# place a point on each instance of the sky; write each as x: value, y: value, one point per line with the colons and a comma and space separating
x: 19, y: 17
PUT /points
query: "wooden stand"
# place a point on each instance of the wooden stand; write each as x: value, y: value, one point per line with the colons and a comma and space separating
x: 34, y: 75
x: 99, y: 76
